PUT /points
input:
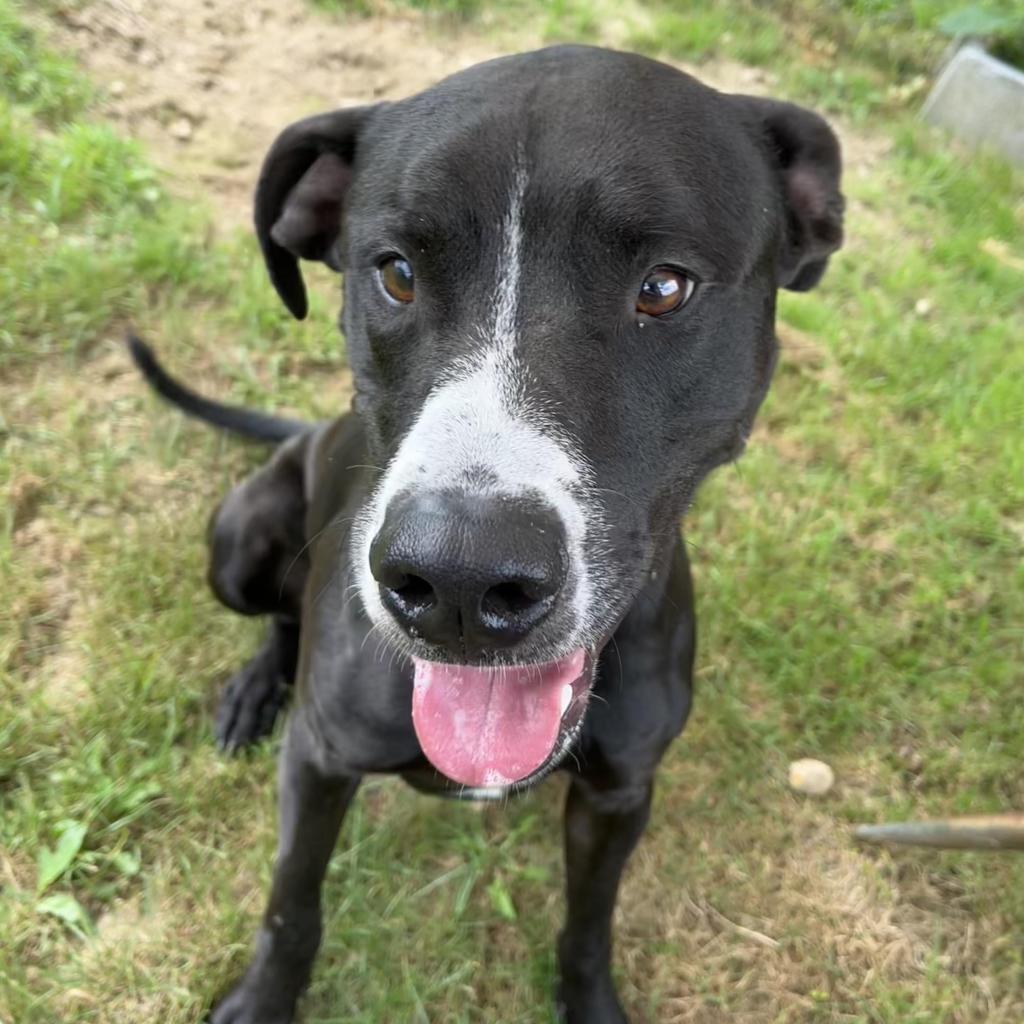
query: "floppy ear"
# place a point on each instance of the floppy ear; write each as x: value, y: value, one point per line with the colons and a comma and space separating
x: 805, y: 153
x: 300, y: 196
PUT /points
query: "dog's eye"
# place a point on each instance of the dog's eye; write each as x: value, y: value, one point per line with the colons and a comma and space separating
x: 664, y: 291
x: 396, y: 279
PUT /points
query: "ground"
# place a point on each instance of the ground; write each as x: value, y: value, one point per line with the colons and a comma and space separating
x: 859, y: 572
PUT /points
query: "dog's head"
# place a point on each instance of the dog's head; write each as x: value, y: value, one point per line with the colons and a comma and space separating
x: 560, y: 273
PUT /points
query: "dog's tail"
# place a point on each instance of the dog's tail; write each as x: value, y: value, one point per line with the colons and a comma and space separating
x: 256, y: 425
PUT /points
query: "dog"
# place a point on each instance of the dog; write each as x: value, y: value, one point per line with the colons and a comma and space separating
x: 560, y: 278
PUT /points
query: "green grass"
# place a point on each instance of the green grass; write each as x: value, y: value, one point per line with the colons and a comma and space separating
x: 858, y: 58
x: 861, y: 598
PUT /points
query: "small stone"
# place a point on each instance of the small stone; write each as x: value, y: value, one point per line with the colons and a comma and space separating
x: 117, y: 88
x: 181, y: 129
x: 923, y: 307
x: 808, y: 775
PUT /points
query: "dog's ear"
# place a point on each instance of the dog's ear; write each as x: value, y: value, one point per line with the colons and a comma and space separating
x: 300, y: 195
x: 805, y: 154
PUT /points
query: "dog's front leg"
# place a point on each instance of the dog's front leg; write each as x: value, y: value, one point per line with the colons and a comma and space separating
x: 312, y: 807
x: 601, y: 829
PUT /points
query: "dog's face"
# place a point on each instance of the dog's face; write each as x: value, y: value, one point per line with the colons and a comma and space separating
x: 560, y: 279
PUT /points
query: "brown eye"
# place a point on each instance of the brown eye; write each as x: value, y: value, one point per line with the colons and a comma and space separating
x: 664, y: 291
x: 396, y: 278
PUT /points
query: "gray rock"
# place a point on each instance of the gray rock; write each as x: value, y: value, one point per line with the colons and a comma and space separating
x: 981, y: 100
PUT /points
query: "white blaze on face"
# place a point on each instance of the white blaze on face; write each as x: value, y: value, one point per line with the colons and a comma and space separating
x: 480, y: 417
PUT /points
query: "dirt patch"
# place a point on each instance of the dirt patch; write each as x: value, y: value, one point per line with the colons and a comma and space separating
x: 23, y: 495
x: 42, y: 611
x: 62, y: 680
x: 127, y: 921
x: 208, y: 84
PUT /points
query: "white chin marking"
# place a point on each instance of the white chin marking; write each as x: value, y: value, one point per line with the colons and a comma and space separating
x: 481, y: 432
x: 483, y: 793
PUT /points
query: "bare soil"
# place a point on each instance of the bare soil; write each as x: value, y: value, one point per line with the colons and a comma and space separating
x: 206, y: 85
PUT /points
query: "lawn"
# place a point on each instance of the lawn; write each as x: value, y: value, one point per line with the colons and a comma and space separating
x: 859, y: 572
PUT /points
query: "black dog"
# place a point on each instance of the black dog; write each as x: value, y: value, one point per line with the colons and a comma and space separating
x: 560, y: 283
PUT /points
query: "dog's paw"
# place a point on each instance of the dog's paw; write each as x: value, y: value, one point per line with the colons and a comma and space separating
x: 591, y: 1005
x: 243, y: 1006
x: 249, y: 705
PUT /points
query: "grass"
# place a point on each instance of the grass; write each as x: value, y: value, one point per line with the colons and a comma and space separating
x: 861, y: 599
x: 857, y: 58
x: 887, y: 47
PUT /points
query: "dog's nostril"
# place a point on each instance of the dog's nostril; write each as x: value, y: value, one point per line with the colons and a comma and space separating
x: 512, y: 599
x: 415, y: 591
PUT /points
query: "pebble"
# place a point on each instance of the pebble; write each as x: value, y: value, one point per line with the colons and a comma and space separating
x: 181, y: 129
x: 808, y: 775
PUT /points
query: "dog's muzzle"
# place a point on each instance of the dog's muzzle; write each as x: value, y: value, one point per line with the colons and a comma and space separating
x: 469, y: 577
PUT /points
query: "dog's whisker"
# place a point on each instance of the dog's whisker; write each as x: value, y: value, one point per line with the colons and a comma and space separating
x: 327, y: 586
x: 305, y: 547
x: 369, y: 633
x: 618, y: 655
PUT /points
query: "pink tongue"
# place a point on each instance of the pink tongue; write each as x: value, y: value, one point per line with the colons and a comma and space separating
x: 491, y: 726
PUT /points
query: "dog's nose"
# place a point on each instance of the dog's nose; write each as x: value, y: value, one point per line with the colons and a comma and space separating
x: 469, y: 573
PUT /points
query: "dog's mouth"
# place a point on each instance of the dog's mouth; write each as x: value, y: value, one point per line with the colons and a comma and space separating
x: 498, y: 726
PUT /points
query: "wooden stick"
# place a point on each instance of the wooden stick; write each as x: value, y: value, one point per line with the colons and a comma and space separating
x: 981, y: 832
